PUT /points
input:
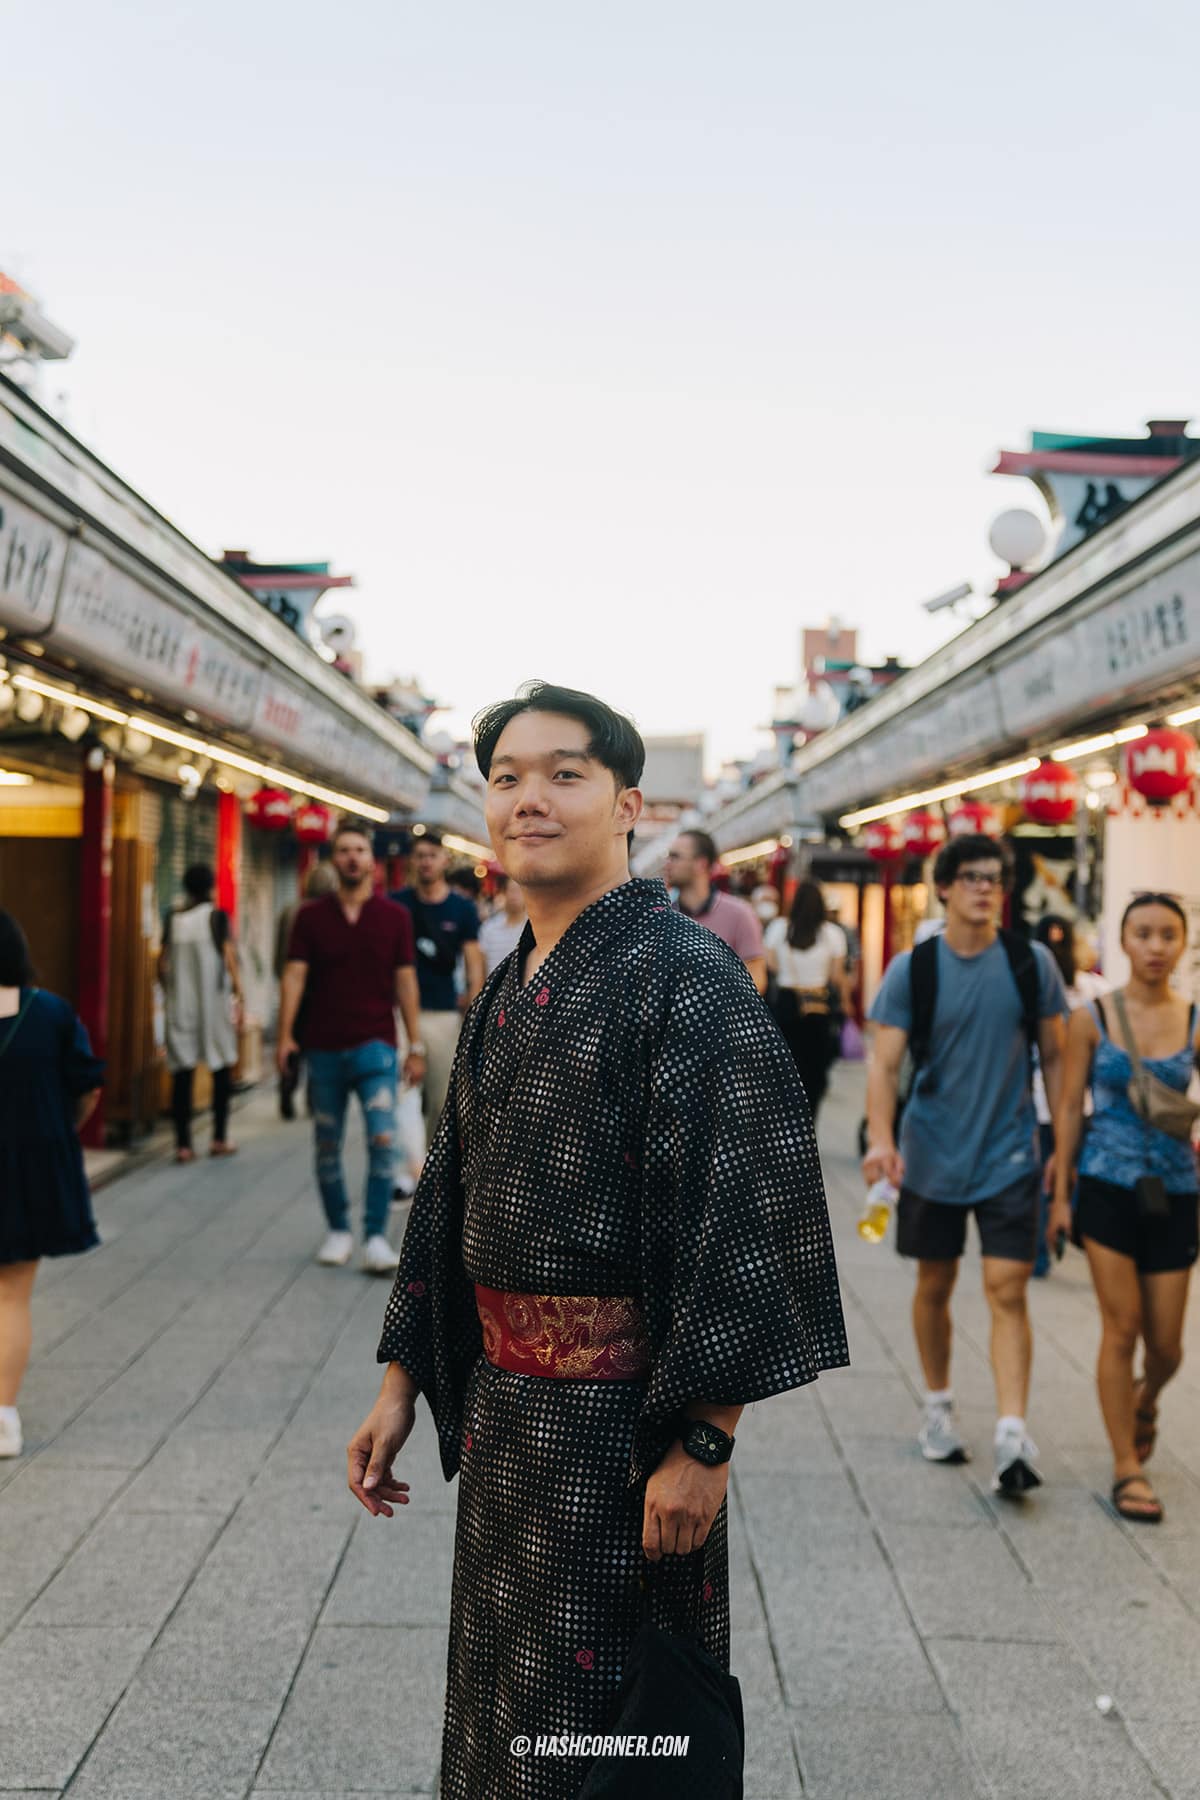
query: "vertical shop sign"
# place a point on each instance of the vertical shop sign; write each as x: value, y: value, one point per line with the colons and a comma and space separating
x: 32, y: 554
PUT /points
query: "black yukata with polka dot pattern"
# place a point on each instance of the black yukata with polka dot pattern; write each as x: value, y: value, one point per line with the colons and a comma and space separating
x: 628, y: 1123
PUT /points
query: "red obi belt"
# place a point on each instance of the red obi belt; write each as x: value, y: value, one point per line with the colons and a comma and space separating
x: 572, y: 1337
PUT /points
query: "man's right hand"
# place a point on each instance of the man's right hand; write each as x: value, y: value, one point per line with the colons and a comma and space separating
x: 372, y: 1450
x: 286, y: 1048
x: 883, y: 1162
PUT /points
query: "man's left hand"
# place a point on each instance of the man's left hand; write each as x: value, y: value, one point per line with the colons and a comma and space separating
x: 683, y: 1497
x: 414, y: 1069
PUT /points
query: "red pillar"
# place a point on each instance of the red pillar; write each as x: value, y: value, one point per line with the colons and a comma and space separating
x: 95, y: 914
x: 229, y: 854
x: 306, y: 864
x: 889, y: 928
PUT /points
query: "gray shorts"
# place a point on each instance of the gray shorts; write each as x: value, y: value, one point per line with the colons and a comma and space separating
x: 936, y: 1230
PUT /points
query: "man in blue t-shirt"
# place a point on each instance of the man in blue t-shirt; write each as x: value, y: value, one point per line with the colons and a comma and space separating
x: 968, y: 1142
x: 446, y: 925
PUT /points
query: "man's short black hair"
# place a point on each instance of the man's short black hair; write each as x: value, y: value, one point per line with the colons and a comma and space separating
x: 613, y: 740
x: 353, y: 828
x: 198, y: 881
x: 971, y: 847
x: 16, y: 970
x: 703, y: 846
x: 429, y: 837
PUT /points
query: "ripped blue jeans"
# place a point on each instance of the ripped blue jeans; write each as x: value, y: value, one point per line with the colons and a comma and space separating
x: 369, y: 1070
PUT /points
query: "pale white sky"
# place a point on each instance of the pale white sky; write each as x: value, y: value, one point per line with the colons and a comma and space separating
x: 610, y: 343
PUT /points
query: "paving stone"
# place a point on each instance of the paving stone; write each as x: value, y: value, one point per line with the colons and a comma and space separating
x: 871, y: 1406
x: 156, y: 1750
x: 967, y: 1584
x: 856, y: 1753
x: 770, y: 1753
x: 1172, y: 1748
x: 130, y: 1571
x: 900, y: 1487
x: 785, y: 1440
x: 56, y: 1690
x: 837, y: 1621
x: 42, y: 1519
x: 1028, y: 1708
x: 367, y: 1700
x: 395, y: 1569
x: 107, y: 1338
x: 204, y: 1470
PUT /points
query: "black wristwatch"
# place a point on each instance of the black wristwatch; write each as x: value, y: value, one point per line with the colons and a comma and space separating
x: 707, y: 1443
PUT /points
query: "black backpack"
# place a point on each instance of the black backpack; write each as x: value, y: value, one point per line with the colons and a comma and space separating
x: 922, y: 973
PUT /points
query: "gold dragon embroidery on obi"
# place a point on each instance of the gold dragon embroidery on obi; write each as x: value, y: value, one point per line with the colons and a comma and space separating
x: 572, y: 1336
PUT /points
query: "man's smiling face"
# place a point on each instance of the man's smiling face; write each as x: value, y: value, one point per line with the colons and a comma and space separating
x: 557, y: 817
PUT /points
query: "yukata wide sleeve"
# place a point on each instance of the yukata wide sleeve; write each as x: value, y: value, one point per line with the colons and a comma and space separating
x: 431, y: 1327
x: 740, y: 1282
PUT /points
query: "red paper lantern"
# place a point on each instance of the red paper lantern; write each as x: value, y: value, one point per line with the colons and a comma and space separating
x: 269, y: 809
x: 314, y: 823
x: 883, y: 841
x: 1161, y: 764
x: 1049, y: 793
x: 974, y: 818
x: 924, y: 833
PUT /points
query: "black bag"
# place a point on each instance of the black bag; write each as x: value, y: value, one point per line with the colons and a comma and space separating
x: 440, y: 958
x: 922, y: 974
x: 671, y: 1686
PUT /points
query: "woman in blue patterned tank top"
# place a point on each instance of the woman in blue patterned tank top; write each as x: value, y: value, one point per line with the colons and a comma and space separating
x: 1137, y: 1209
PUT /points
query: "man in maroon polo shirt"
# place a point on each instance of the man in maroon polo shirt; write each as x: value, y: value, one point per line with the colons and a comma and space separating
x: 352, y: 960
x: 690, y: 862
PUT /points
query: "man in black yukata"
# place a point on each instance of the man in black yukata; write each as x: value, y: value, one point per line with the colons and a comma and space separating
x: 620, y: 1238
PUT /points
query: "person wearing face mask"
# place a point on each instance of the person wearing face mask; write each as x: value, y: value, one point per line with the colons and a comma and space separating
x: 1136, y: 1215
x: 765, y: 902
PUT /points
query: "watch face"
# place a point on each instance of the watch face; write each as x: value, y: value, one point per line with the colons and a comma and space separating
x: 706, y: 1443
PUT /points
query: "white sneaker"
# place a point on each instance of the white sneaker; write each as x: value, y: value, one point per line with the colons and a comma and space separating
x: 378, y: 1257
x: 1015, y: 1471
x: 337, y: 1249
x: 939, y: 1436
x: 11, y: 1441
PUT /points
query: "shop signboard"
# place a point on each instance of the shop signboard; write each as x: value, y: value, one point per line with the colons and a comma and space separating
x: 1131, y: 643
x: 301, y: 726
x: 137, y: 633
x: 32, y: 553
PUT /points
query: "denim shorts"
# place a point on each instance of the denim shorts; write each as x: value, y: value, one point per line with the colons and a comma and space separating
x: 936, y: 1230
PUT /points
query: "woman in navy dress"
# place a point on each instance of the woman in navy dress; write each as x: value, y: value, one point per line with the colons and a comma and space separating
x: 49, y: 1083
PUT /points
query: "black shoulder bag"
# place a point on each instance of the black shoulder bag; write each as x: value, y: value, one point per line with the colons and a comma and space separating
x: 671, y: 1686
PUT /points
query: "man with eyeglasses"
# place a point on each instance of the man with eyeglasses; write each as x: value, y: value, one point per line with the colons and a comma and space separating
x: 969, y: 1006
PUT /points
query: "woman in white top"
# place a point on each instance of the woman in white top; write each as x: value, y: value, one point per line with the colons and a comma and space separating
x: 203, y: 992
x: 806, y: 955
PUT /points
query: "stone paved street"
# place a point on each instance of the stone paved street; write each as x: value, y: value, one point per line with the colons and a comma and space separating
x: 192, y: 1605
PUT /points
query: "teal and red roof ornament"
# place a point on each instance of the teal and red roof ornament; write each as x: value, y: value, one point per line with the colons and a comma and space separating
x: 1087, y: 481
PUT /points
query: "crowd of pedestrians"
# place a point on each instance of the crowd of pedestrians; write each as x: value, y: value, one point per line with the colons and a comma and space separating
x: 1007, y: 1085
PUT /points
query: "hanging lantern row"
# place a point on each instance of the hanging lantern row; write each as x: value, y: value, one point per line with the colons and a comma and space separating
x: 924, y: 834
x: 270, y: 809
x: 1049, y: 793
x: 884, y: 841
x: 313, y: 823
x: 1161, y: 764
x: 974, y: 818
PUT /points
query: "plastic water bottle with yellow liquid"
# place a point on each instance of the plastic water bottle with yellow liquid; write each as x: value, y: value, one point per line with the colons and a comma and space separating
x: 881, y: 1198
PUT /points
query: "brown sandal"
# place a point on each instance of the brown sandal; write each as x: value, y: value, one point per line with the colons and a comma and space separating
x: 1147, y: 1511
